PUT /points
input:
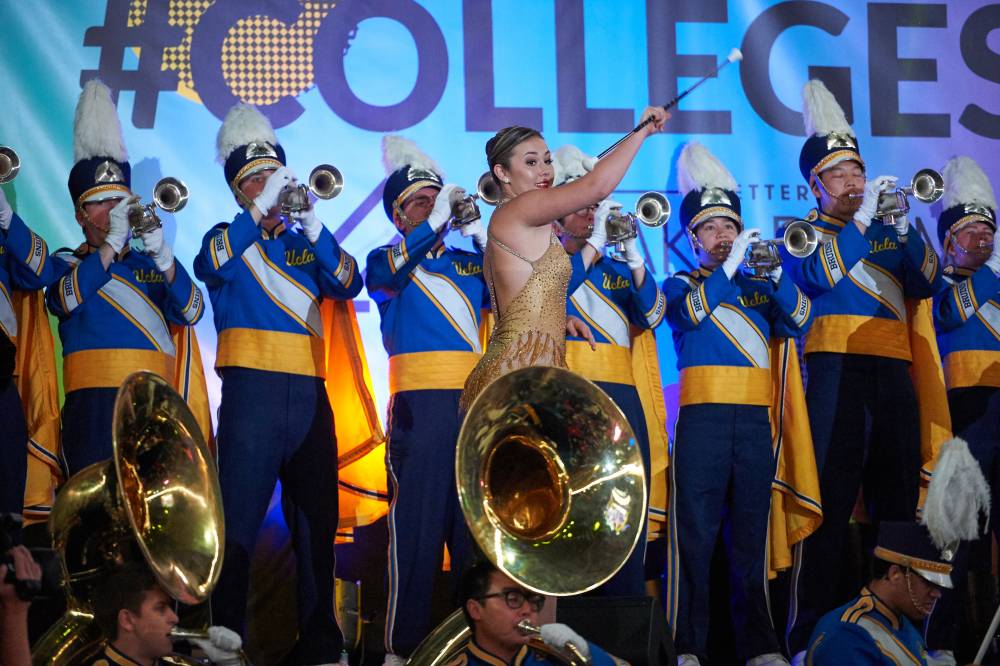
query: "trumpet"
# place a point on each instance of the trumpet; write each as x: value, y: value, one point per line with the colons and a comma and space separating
x: 464, y: 209
x: 10, y: 164
x: 651, y: 210
x: 325, y: 182
x: 800, y: 240
x: 576, y: 658
x: 169, y: 194
x: 926, y: 186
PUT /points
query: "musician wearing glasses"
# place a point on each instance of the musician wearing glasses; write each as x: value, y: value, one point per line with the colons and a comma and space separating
x: 722, y: 464
x: 503, y: 618
x: 267, y: 283
x: 967, y: 319
x: 620, y: 304
x: 116, y: 307
x: 432, y: 301
x: 863, y: 403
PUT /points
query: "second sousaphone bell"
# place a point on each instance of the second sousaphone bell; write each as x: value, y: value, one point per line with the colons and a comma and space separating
x: 551, y: 480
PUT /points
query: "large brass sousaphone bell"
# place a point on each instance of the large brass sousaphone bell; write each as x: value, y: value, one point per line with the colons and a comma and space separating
x: 551, y: 480
x: 156, y: 501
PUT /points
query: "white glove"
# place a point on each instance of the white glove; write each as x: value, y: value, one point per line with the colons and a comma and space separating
x: 775, y: 275
x: 588, y: 163
x: 738, y: 253
x: 994, y: 261
x: 869, y: 204
x: 268, y: 197
x: 632, y: 255
x: 6, y: 212
x: 599, y: 237
x: 442, y: 206
x: 311, y: 225
x: 118, y: 231
x: 222, y: 648
x: 902, y: 228
x: 478, y: 233
x: 157, y: 249
x: 557, y: 635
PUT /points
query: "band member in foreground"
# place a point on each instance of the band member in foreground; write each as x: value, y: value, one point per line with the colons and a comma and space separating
x: 967, y: 319
x: 621, y: 304
x: 266, y: 282
x: 432, y: 300
x: 115, y: 305
x: 863, y: 406
x: 722, y: 463
x: 526, y: 269
x: 882, y: 625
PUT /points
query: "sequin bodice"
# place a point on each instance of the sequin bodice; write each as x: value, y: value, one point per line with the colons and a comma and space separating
x: 531, y: 329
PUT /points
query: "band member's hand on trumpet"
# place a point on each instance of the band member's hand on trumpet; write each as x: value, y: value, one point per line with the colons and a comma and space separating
x: 6, y: 212
x: 738, y: 250
x: 869, y: 202
x: 221, y: 645
x: 267, y: 198
x: 311, y: 225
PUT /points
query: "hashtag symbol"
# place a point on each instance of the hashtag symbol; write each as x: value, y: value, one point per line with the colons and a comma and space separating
x: 151, y: 38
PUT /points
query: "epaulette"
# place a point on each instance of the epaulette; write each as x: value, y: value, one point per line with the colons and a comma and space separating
x: 811, y: 216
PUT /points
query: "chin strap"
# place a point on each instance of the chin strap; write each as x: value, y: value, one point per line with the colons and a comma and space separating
x: 913, y: 599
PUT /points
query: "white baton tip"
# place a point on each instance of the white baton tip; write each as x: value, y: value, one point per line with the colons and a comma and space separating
x: 735, y: 55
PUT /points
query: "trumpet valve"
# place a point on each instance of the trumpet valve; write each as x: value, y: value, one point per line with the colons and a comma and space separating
x: 464, y: 210
x: 294, y: 199
x: 143, y: 218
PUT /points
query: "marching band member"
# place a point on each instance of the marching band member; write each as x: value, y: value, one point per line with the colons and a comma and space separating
x: 621, y: 304
x: 722, y: 462
x: 114, y: 305
x: 266, y: 282
x: 967, y: 319
x: 863, y: 406
x: 25, y: 269
x: 432, y: 300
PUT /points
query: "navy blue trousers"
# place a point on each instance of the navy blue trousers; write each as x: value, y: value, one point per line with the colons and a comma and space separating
x: 86, y: 427
x: 866, y: 433
x: 273, y: 426
x: 722, y: 465
x: 14, y: 451
x: 975, y: 417
x: 631, y: 578
x: 424, y: 512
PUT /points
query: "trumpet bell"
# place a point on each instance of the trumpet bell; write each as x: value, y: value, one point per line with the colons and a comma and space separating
x: 800, y: 239
x: 653, y: 209
x: 326, y: 181
x: 488, y: 190
x: 927, y: 185
x: 10, y: 164
x: 551, y: 480
x: 170, y: 194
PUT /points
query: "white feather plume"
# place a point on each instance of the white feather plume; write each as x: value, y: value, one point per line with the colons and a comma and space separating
x: 821, y: 111
x: 97, y: 131
x: 242, y: 125
x: 398, y: 151
x: 956, y: 495
x: 571, y: 163
x: 698, y: 169
x: 965, y: 183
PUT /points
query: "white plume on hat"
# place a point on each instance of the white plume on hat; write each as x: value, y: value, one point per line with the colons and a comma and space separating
x: 243, y: 124
x: 398, y: 152
x: 821, y: 112
x: 965, y: 183
x: 97, y: 131
x: 571, y: 163
x: 956, y: 495
x: 699, y: 169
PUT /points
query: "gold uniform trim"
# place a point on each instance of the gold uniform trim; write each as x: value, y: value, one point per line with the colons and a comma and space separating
x: 294, y: 353
x: 972, y: 367
x: 608, y: 363
x: 857, y: 334
x: 108, y: 368
x: 725, y: 384
x: 433, y: 370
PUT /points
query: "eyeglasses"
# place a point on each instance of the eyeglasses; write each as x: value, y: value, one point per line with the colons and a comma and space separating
x: 516, y: 598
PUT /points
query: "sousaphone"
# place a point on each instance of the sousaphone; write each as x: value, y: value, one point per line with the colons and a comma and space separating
x: 156, y: 501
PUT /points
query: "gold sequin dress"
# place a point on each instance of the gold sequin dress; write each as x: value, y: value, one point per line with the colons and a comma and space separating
x: 532, y: 328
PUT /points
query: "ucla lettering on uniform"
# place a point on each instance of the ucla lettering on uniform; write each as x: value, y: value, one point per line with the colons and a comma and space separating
x: 618, y: 283
x: 753, y: 301
x: 148, y: 276
x: 467, y: 268
x: 883, y: 245
x: 295, y: 258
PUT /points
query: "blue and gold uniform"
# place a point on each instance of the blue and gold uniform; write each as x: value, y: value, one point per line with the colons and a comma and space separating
x: 723, y: 461
x: 474, y: 655
x: 432, y: 300
x: 617, y: 312
x: 864, y: 407
x: 112, y: 656
x: 25, y: 266
x: 275, y: 419
x: 866, y: 631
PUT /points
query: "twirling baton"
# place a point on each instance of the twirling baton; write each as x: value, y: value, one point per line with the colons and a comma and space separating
x: 733, y: 56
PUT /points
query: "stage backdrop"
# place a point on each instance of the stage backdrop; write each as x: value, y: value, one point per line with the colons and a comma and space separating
x: 920, y: 82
